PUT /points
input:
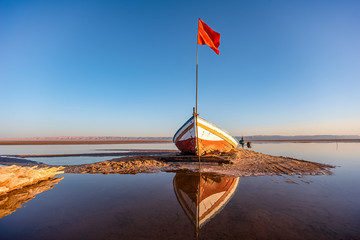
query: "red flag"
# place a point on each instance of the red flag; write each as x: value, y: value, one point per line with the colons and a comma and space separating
x: 208, y: 36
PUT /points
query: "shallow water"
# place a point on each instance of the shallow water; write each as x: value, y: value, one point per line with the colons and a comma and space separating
x: 71, y: 160
x: 148, y: 206
x: 76, y: 148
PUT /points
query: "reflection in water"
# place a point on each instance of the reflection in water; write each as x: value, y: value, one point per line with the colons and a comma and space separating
x: 13, y: 200
x: 203, y: 195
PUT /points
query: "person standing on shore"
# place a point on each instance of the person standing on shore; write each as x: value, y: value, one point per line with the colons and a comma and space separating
x: 242, y: 142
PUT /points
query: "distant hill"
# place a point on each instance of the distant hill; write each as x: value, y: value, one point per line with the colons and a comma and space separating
x: 92, y: 138
x: 299, y: 137
x: 107, y: 138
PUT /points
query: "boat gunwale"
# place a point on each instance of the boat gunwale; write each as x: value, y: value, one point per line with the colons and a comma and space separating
x: 182, y: 128
x: 222, y: 132
x: 219, y: 132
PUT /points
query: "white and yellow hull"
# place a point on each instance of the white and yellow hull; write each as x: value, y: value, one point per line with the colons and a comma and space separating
x: 209, y: 137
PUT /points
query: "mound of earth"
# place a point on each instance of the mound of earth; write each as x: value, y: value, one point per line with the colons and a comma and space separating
x: 239, y: 162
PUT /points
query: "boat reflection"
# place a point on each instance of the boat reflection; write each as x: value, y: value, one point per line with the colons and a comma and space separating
x: 203, y: 195
x: 14, y: 200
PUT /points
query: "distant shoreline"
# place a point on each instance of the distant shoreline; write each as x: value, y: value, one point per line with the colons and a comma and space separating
x: 304, y: 140
x: 66, y: 142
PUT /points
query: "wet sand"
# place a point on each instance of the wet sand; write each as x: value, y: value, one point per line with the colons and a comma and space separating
x: 241, y: 163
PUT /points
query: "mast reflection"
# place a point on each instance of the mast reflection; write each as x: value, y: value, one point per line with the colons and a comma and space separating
x: 203, y: 195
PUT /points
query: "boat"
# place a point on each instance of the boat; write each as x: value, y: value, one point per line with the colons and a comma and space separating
x: 200, y: 137
x: 203, y: 195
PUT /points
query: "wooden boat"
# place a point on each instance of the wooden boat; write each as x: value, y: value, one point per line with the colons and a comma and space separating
x: 198, y: 136
x: 203, y: 195
x: 209, y: 137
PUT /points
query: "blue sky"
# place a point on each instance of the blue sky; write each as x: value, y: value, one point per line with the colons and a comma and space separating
x: 127, y: 68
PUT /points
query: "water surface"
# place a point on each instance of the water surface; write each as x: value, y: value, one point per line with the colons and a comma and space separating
x: 146, y: 206
x: 76, y: 148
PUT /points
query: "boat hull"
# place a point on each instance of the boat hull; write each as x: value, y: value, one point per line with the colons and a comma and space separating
x: 211, y: 138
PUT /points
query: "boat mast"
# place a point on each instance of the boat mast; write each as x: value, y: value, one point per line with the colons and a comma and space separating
x: 196, y: 103
x: 197, y: 71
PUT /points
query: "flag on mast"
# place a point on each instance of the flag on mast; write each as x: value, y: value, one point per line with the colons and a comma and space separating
x: 207, y: 36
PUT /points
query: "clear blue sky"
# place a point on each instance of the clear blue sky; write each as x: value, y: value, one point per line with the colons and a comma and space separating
x: 127, y: 68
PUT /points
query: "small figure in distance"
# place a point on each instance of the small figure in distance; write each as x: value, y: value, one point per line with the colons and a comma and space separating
x: 242, y: 142
x: 248, y: 144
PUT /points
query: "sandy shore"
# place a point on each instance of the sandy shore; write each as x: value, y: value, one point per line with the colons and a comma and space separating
x: 240, y: 162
